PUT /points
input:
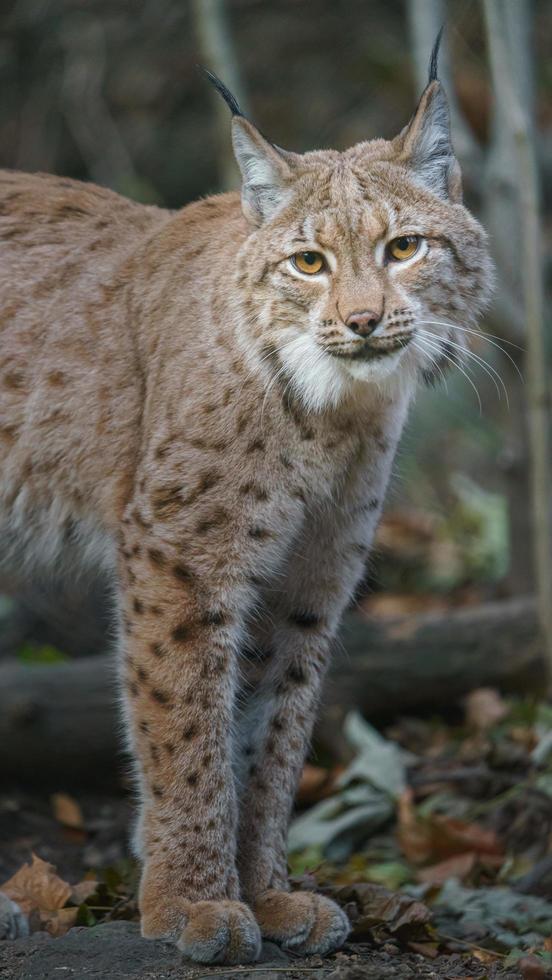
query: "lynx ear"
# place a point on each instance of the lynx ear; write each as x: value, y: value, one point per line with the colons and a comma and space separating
x: 425, y: 144
x: 265, y: 169
x: 265, y: 172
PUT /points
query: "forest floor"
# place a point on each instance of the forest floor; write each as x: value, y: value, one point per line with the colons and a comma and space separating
x: 436, y: 838
x: 433, y: 833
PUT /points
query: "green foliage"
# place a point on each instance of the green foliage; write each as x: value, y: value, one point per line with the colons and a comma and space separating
x: 34, y: 653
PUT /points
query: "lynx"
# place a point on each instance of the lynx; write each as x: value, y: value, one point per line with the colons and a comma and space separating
x: 208, y: 403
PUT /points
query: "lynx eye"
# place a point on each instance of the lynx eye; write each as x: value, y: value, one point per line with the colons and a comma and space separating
x: 403, y: 248
x: 309, y: 262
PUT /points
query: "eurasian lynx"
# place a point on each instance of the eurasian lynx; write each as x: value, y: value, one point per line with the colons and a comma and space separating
x: 210, y: 401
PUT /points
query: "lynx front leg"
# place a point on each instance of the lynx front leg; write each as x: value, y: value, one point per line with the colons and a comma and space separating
x: 277, y: 725
x: 279, y: 721
x: 179, y: 678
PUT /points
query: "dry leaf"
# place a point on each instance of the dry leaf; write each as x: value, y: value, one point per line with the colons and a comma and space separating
x: 431, y: 950
x: 373, y: 907
x: 458, y: 866
x: 316, y: 784
x: 531, y: 968
x: 414, y: 837
x: 58, y: 922
x: 67, y: 811
x: 83, y: 890
x: 37, y: 886
x: 484, y: 709
x: 484, y: 955
x: 439, y: 836
x: 452, y: 836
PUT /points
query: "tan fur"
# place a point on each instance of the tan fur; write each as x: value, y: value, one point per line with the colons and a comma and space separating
x: 177, y: 399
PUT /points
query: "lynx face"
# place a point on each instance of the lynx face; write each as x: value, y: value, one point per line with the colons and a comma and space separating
x: 363, y: 264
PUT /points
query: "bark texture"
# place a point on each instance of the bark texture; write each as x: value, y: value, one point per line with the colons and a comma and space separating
x: 64, y: 718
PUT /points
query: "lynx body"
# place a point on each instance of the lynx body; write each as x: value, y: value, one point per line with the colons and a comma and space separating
x: 208, y: 403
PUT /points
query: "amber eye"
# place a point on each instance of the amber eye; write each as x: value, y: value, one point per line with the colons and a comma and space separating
x: 404, y: 247
x: 309, y: 262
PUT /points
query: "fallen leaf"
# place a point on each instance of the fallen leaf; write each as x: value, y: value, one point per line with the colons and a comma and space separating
x: 413, y: 834
x: 316, y: 784
x: 513, y: 921
x: 459, y: 866
x: 391, y: 874
x: 337, y: 824
x: 37, y: 886
x: 431, y: 950
x: 83, y: 890
x: 484, y: 955
x: 452, y: 836
x: 67, y: 811
x: 531, y: 968
x: 374, y: 908
x: 58, y: 922
x: 440, y: 836
x: 484, y: 709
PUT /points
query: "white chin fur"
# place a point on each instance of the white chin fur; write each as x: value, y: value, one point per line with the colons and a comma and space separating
x: 322, y: 381
x: 375, y: 370
x: 315, y: 377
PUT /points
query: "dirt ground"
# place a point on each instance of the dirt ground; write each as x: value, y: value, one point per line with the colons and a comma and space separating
x: 114, y: 950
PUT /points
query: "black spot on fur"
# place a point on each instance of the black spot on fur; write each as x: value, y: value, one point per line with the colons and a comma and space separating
x: 159, y: 696
x: 182, y: 572
x: 216, y: 519
x: 256, y: 445
x: 305, y: 620
x: 260, y: 533
x: 156, y: 557
x: 296, y: 674
x: 182, y: 633
x: 215, y: 617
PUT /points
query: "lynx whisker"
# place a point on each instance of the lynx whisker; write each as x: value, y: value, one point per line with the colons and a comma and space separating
x: 489, y: 370
x: 439, y: 350
x: 488, y: 338
x: 418, y: 345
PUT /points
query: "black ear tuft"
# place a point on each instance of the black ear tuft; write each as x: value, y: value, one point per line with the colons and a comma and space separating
x: 434, y: 60
x: 226, y: 94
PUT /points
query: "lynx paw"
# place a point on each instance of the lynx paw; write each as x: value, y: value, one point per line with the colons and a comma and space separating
x: 214, y: 932
x: 301, y: 921
x: 13, y: 924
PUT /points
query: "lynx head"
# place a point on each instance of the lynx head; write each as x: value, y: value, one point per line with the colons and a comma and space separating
x: 362, y: 265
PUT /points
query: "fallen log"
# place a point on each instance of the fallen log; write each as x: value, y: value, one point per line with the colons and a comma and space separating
x: 428, y: 662
x: 63, y: 718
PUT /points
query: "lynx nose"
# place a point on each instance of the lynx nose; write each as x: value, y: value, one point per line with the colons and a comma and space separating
x: 363, y: 323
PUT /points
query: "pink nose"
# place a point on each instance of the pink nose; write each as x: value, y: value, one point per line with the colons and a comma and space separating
x: 363, y: 323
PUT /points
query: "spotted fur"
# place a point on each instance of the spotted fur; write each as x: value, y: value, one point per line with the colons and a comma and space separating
x: 196, y: 416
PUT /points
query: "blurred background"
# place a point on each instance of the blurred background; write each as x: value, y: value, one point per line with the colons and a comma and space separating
x: 449, y: 648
